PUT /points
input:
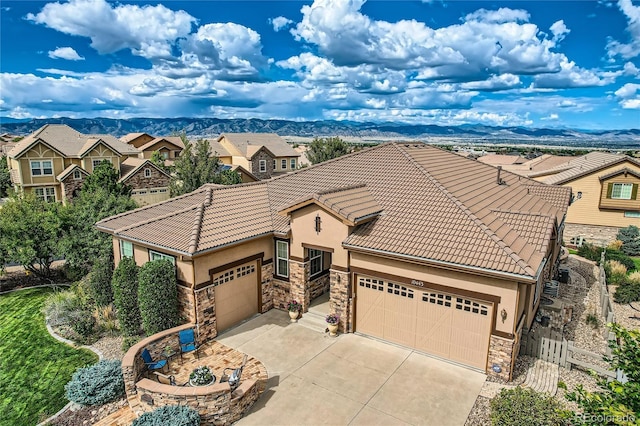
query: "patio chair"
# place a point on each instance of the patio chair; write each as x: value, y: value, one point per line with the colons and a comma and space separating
x: 234, y: 378
x: 150, y: 363
x: 188, y: 342
x: 167, y: 380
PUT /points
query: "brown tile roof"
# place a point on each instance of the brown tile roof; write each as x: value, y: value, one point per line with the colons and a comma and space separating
x: 131, y: 136
x: 500, y: 159
x: 244, y: 142
x: 354, y: 204
x: 438, y: 207
x: 624, y: 171
x: 219, y: 150
x: 68, y: 170
x: 174, y: 140
x: 582, y: 166
x: 69, y: 142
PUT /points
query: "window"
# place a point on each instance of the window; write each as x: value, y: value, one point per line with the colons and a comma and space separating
x: 126, y: 249
x: 275, y: 164
x: 632, y: 214
x: 282, y: 258
x: 263, y: 165
x: 283, y: 164
x: 165, y: 155
x: 147, y: 173
x: 293, y: 164
x: 42, y: 168
x: 153, y: 191
x: 96, y: 162
x: 46, y: 194
x: 315, y: 259
x: 154, y: 255
x: 621, y: 191
x: 162, y: 190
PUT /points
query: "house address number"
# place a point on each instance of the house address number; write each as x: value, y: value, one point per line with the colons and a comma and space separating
x: 417, y: 283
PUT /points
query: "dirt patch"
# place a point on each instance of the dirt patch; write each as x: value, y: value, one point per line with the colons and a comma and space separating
x: 15, y: 277
x: 83, y: 416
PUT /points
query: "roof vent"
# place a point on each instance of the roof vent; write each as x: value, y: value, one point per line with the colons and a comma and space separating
x: 499, y: 180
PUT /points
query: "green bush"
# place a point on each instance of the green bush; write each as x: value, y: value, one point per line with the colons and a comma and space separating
x: 125, y: 296
x: 158, y: 296
x: 169, y: 415
x: 627, y: 293
x: 616, y: 272
x: 525, y: 407
x: 589, y: 251
x: 62, y: 307
x: 129, y: 341
x: 97, y: 384
x: 620, y: 257
x: 101, y: 276
x: 630, y: 237
x: 84, y: 323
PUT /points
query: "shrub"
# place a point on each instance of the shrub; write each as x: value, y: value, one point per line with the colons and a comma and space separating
x: 616, y: 272
x: 97, y: 384
x: 592, y: 320
x: 589, y: 251
x: 633, y: 278
x: 630, y: 237
x: 622, y: 258
x: 614, y: 245
x: 627, y: 293
x: 100, y: 281
x: 125, y: 296
x: 106, y: 318
x: 169, y: 415
x: 129, y: 341
x: 84, y: 323
x: 524, y: 407
x: 158, y: 296
x: 61, y: 307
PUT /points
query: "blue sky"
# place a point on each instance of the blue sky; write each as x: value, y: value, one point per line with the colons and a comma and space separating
x: 535, y: 64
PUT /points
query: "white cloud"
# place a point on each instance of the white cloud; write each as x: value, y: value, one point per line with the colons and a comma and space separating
x: 630, y: 69
x: 551, y: 117
x: 494, y: 83
x: 631, y: 103
x: 628, y: 90
x: 67, y: 53
x: 499, y: 16
x: 559, y: 31
x: 280, y: 23
x: 632, y: 48
x: 571, y: 75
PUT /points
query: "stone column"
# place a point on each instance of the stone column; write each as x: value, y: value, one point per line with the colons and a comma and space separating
x: 339, y: 299
x: 266, y: 287
x: 501, y: 353
x: 206, y: 312
x: 298, y: 279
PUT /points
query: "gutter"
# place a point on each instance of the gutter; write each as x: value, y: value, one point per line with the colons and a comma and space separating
x: 448, y: 265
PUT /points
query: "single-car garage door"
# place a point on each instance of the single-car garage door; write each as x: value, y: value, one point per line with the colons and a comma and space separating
x: 446, y: 325
x: 236, y: 295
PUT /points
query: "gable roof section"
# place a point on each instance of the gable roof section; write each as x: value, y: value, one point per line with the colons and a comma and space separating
x: 353, y: 204
x: 68, y: 170
x: 243, y: 143
x: 236, y: 167
x: 582, y: 166
x: 69, y: 142
x: 438, y: 208
x: 133, y: 136
x: 173, y: 140
x: 624, y: 171
x: 131, y: 165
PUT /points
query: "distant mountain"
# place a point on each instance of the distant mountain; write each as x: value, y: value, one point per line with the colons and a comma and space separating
x: 210, y: 127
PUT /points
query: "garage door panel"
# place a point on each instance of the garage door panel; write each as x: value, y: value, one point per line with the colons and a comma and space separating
x: 433, y: 328
x: 399, y: 314
x: 370, y: 306
x: 236, y: 295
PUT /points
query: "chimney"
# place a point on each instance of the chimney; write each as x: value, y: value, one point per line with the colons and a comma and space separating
x: 498, y: 180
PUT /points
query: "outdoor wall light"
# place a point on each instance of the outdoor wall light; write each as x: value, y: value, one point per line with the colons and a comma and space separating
x: 503, y: 314
x: 318, y: 223
x: 496, y: 368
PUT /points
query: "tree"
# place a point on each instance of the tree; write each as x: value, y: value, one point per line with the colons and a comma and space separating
x: 125, y: 296
x: 30, y: 233
x: 630, y: 237
x: 158, y: 296
x: 618, y: 401
x: 323, y: 149
x: 195, y: 166
x: 158, y: 160
x: 5, y: 177
x: 105, y: 176
x: 100, y: 281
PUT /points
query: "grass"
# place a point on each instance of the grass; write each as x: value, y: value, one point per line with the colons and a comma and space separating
x: 636, y: 260
x: 572, y: 251
x: 34, y: 367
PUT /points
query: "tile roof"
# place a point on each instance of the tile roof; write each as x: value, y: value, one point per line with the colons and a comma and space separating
x: 582, y: 166
x: 244, y: 144
x: 501, y: 159
x: 175, y: 140
x: 219, y: 150
x: 131, y: 136
x: 68, y: 170
x: 624, y: 171
x: 438, y: 207
x: 69, y: 142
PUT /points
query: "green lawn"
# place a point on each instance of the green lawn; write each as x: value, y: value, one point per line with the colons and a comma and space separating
x: 34, y: 367
x: 636, y: 260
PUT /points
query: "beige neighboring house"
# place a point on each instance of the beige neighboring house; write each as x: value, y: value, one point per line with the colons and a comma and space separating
x: 169, y: 147
x: 53, y: 161
x: 605, y: 188
x: 263, y: 154
x: 502, y: 159
x: 415, y: 245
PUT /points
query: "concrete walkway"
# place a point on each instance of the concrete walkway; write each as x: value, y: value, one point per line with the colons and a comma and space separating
x: 542, y: 376
x: 349, y: 379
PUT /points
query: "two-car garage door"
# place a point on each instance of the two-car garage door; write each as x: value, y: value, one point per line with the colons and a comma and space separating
x: 236, y: 295
x: 445, y: 325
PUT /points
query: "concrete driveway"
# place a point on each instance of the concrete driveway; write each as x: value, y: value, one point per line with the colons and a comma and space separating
x: 349, y: 379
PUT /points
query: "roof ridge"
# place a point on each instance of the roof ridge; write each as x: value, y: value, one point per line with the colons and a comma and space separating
x: 195, y: 230
x: 155, y: 219
x: 340, y: 189
x: 488, y: 231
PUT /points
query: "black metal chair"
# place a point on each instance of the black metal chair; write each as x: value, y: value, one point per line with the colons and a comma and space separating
x: 234, y: 377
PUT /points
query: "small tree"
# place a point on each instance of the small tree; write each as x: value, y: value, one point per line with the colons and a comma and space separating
x: 323, y: 149
x: 101, y: 275
x: 125, y: 296
x: 158, y: 296
x: 630, y: 237
x: 5, y: 177
x: 105, y: 176
x: 158, y: 160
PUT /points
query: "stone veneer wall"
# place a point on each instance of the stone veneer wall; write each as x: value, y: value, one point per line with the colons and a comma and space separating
x: 70, y: 185
x: 186, y: 304
x: 156, y: 180
x: 339, y: 302
x: 254, y: 165
x: 281, y: 293
x: 298, y: 277
x: 598, y: 235
x: 318, y: 286
x: 501, y: 352
x: 206, y: 312
x: 266, y: 287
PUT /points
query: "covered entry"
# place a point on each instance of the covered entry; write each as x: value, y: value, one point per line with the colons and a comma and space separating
x: 236, y: 294
x: 446, y: 325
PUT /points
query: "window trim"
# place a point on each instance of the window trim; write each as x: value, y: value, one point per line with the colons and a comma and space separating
x: 161, y: 256
x: 122, y: 250
x: 262, y: 166
x: 147, y: 172
x: 315, y: 256
x: 45, y: 196
x: 41, y: 168
x: 283, y: 164
x: 77, y: 175
x: 275, y: 164
x: 278, y: 259
x: 622, y: 188
x: 632, y: 214
x: 292, y: 164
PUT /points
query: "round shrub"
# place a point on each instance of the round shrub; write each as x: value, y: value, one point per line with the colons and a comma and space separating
x: 616, y: 272
x: 125, y: 296
x: 169, y: 415
x: 84, y: 324
x: 630, y: 237
x: 158, y: 296
x: 622, y: 258
x: 61, y: 307
x: 97, y: 384
x: 627, y: 293
x: 589, y: 251
x: 525, y: 407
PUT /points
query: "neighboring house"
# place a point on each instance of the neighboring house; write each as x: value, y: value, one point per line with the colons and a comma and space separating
x: 415, y: 245
x: 502, y: 159
x: 245, y: 175
x: 53, y: 161
x: 169, y: 147
x: 149, y: 182
x: 263, y: 154
x: 605, y: 188
x: 538, y: 164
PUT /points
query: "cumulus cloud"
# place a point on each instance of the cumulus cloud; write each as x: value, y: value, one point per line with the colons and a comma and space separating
x: 632, y: 48
x: 551, y: 117
x: 499, y: 16
x: 629, y: 96
x: 571, y: 75
x: 559, y: 30
x: 67, y: 53
x: 280, y: 23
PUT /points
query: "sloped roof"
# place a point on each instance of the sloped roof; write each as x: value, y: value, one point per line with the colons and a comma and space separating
x: 219, y: 150
x: 501, y: 159
x: 69, y: 142
x: 438, y: 207
x: 581, y: 166
x: 354, y: 204
x: 624, y: 171
x: 68, y: 170
x: 131, y: 165
x: 174, y: 140
x: 245, y: 144
x: 131, y: 136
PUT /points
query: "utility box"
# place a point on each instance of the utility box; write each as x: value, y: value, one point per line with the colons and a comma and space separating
x: 563, y: 275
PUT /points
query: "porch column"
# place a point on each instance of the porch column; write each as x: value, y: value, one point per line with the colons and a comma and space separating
x: 298, y: 279
x: 339, y: 302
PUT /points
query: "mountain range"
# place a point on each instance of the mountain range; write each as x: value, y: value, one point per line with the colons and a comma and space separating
x: 367, y: 132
